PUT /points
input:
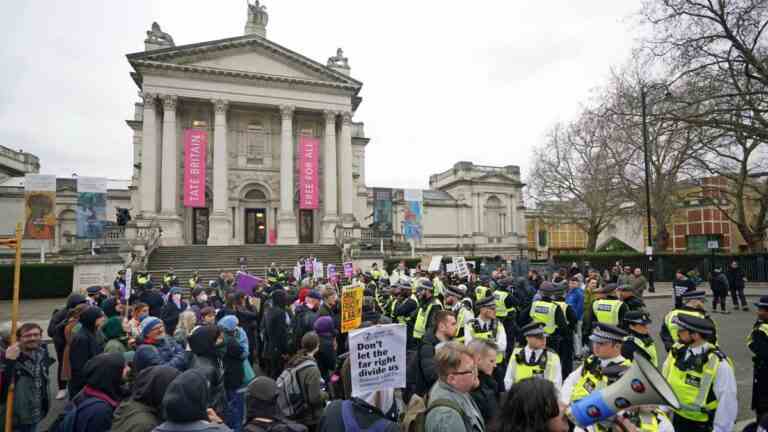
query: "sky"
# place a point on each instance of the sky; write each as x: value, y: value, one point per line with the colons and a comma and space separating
x: 442, y: 81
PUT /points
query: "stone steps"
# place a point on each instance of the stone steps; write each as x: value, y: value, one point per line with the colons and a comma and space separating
x: 211, y: 260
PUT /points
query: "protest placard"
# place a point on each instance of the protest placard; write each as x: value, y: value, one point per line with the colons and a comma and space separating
x: 461, y: 266
x: 377, y: 358
x: 351, y: 308
x: 297, y: 273
x: 317, y: 270
x: 331, y: 271
x: 348, y: 270
x: 128, y: 286
x: 246, y: 283
x: 434, y: 265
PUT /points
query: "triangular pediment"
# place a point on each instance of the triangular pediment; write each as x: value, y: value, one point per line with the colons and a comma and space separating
x: 245, y: 56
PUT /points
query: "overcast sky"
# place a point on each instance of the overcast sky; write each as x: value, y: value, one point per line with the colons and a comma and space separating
x: 443, y: 81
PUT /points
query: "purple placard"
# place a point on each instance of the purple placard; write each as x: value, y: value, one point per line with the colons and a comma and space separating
x: 308, y: 266
x: 331, y: 272
x: 348, y: 270
x: 246, y: 283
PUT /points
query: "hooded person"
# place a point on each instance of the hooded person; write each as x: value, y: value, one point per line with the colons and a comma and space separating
x: 371, y: 411
x: 326, y: 356
x: 204, y: 343
x: 185, y: 405
x: 234, y: 352
x: 101, y: 394
x: 55, y: 331
x: 86, y: 344
x: 142, y: 413
x: 277, y: 322
x: 172, y: 309
x: 113, y: 332
x: 262, y: 412
x: 111, y: 306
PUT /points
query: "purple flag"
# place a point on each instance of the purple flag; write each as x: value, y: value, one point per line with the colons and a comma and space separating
x: 246, y: 283
x: 348, y: 270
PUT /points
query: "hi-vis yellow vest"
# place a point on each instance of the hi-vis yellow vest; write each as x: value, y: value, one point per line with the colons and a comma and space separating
x: 406, y: 319
x: 481, y: 292
x: 762, y: 327
x: 461, y: 319
x: 590, y: 380
x: 693, y: 387
x: 606, y: 311
x: 544, y: 312
x: 544, y: 367
x: 669, y: 321
x: 477, y: 332
x: 649, y: 348
x: 421, y: 318
x: 501, y: 304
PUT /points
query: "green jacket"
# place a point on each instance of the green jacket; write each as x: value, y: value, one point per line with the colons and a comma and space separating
x: 134, y: 416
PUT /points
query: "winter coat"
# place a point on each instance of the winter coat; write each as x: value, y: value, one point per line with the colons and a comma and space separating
x: 424, y: 371
x: 154, y: 300
x: 170, y: 314
x: 736, y: 278
x: 277, y: 331
x: 185, y: 404
x: 148, y: 356
x: 486, y: 396
x: 103, y: 379
x: 202, y: 342
x: 31, y: 403
x: 171, y: 353
x: 326, y: 357
x: 142, y: 413
x: 364, y: 414
x: 312, y: 384
x: 85, y: 346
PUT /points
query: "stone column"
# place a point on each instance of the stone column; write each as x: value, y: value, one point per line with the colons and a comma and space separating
x: 510, y: 215
x: 149, y: 156
x: 330, y: 191
x: 286, y: 226
x: 345, y: 169
x: 220, y: 224
x: 171, y: 223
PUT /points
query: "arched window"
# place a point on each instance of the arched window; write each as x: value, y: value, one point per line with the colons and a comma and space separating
x: 256, y: 195
x: 494, y: 217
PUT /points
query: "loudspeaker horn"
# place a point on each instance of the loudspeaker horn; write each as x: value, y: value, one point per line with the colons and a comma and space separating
x: 641, y: 384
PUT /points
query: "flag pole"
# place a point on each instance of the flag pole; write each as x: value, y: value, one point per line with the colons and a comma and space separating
x: 14, y: 322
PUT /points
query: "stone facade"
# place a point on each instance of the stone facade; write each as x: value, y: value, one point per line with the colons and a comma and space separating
x: 256, y: 99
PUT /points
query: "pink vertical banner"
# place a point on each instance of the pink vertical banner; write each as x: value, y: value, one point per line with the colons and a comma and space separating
x: 309, y: 158
x: 195, y: 151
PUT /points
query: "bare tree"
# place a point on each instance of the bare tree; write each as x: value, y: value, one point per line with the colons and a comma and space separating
x: 573, y: 178
x: 673, y: 146
x: 717, y: 49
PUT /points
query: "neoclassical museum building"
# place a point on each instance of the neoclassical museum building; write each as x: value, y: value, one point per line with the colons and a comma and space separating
x: 254, y: 103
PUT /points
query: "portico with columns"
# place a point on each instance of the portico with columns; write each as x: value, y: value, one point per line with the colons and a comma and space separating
x: 255, y: 99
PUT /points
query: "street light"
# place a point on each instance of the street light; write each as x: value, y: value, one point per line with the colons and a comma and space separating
x: 644, y: 106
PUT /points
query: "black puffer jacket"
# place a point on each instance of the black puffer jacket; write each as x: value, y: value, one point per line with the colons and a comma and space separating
x: 202, y: 342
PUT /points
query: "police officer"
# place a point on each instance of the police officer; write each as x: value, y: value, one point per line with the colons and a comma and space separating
x: 506, y: 311
x: 143, y: 280
x: 170, y: 280
x: 194, y: 280
x: 455, y: 302
x: 639, y: 340
x: 592, y: 374
x: 437, y: 282
x: 702, y: 377
x: 272, y: 274
x: 606, y: 309
x: 482, y: 289
x: 428, y: 307
x: 405, y: 312
x: 547, y: 311
x: 566, y: 350
x: 630, y: 300
x: 693, y: 304
x: 486, y: 326
x: 534, y: 359
x: 758, y: 344
x: 393, y: 301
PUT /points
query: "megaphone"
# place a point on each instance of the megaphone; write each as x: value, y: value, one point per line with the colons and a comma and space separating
x: 641, y: 384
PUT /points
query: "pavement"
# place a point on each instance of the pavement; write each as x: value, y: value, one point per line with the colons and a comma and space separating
x: 733, y: 330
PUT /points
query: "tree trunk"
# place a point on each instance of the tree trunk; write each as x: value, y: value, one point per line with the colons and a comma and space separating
x: 592, y: 235
x: 754, y: 239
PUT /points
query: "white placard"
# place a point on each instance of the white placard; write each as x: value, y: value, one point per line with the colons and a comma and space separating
x: 450, y: 267
x: 461, y: 266
x: 649, y: 250
x: 39, y: 183
x: 377, y: 356
x: 713, y: 244
x: 128, y: 286
x: 297, y: 273
x: 413, y: 195
x: 92, y: 184
x: 317, y: 269
x: 434, y: 265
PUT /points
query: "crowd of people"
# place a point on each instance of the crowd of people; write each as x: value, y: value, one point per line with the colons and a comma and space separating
x: 487, y: 352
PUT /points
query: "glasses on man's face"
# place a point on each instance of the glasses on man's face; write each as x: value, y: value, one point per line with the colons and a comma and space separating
x: 35, y: 335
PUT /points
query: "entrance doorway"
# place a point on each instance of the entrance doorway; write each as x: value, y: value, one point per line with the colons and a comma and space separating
x: 256, y: 226
x: 200, y: 226
x: 306, y: 226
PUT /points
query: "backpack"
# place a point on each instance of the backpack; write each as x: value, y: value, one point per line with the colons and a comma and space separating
x: 351, y: 425
x: 290, y: 395
x: 415, y: 419
x: 277, y: 425
x: 67, y: 421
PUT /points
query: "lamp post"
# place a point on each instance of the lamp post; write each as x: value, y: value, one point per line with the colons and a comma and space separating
x: 647, y: 165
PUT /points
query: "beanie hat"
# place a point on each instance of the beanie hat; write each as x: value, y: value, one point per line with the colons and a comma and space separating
x: 147, y: 324
x: 228, y: 323
x: 324, y: 326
